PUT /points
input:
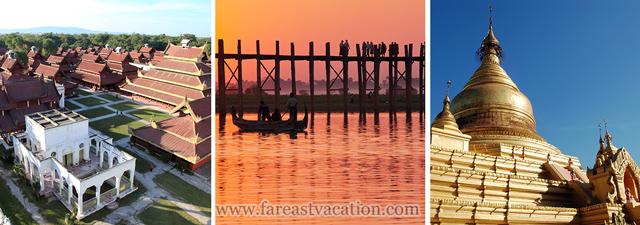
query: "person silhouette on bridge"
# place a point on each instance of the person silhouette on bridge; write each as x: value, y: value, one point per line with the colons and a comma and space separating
x: 346, y: 47
x: 383, y: 48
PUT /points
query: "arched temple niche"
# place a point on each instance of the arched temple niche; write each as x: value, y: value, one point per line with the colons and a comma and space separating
x: 631, y: 184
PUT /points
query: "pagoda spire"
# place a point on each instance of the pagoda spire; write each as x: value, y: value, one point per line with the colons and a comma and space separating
x: 445, y: 118
x: 608, y: 137
x: 490, y: 44
x: 600, y: 139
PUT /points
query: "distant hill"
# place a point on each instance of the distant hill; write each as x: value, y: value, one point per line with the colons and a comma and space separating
x: 58, y: 30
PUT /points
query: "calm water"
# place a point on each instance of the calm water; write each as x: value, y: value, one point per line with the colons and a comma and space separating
x: 381, y: 164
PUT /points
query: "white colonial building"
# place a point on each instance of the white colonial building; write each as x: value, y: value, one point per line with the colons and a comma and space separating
x: 82, y: 168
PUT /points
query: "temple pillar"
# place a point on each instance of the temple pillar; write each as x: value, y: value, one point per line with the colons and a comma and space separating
x: 85, y: 150
x: 41, y: 180
x: 75, y: 156
x: 70, y: 192
x: 131, y: 174
x: 118, y: 186
x: 101, y: 155
x: 53, y: 180
x: 80, y: 202
x: 110, y: 160
x: 98, y: 195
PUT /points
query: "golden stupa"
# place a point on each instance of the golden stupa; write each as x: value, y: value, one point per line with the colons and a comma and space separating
x: 490, y: 166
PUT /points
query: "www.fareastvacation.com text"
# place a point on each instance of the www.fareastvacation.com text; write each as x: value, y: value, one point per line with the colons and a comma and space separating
x: 310, y: 209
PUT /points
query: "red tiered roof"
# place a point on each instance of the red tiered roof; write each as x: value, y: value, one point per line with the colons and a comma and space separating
x: 187, y: 136
x: 179, y: 75
x: 22, y: 94
x: 119, y: 63
x: 95, y: 73
x: 91, y: 58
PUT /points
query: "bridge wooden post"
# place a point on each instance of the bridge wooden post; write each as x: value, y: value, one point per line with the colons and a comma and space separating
x: 365, y: 79
x: 408, y: 53
x: 259, y: 70
x: 240, y: 94
x: 391, y: 90
x: 311, y: 78
x: 345, y: 84
x: 277, y: 77
x: 293, y: 70
x: 376, y: 84
x: 328, y: 67
x: 421, y: 80
x: 360, y: 95
x: 222, y: 107
x: 395, y: 78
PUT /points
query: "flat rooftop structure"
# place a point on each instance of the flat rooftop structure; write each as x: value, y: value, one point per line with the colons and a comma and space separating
x: 54, y: 118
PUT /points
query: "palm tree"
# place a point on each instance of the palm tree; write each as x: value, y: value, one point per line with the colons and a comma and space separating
x: 71, y: 217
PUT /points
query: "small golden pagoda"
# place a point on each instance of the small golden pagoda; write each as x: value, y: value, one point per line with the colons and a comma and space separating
x: 490, y: 166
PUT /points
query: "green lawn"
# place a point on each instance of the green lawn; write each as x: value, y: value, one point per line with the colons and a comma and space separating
x: 109, y: 97
x: 142, y: 165
x: 187, y: 192
x: 164, y: 212
x: 116, y: 127
x: 70, y: 105
x: 91, y: 101
x: 80, y: 92
x: 12, y: 208
x: 96, y: 112
x: 146, y: 114
x: 122, y: 106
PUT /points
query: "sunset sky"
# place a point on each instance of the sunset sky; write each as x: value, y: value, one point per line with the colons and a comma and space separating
x: 319, y: 21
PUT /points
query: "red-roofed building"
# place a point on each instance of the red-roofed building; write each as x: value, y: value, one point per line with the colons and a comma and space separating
x: 180, y: 74
x: 53, y: 73
x: 187, y: 138
x: 62, y: 63
x: 147, y: 51
x: 91, y: 58
x: 105, y: 52
x: 11, y: 66
x: 97, y: 75
x: 21, y: 94
x: 138, y: 57
x: 118, y: 62
x: 35, y: 58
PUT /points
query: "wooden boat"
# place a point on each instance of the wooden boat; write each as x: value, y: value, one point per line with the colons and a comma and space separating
x: 271, y: 126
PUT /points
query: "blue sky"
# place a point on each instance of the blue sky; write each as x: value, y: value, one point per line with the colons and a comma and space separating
x: 171, y: 17
x: 577, y: 61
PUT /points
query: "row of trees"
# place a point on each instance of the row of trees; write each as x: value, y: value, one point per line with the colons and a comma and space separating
x: 49, y: 42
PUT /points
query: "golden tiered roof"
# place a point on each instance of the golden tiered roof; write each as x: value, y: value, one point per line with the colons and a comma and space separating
x: 492, y: 105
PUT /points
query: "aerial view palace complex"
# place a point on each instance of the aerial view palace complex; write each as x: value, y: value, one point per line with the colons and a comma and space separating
x: 490, y: 166
x: 164, y: 95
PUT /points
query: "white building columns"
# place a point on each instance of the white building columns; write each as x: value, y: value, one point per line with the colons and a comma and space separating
x: 118, y: 185
x: 132, y: 172
x: 80, y: 202
x: 98, y: 195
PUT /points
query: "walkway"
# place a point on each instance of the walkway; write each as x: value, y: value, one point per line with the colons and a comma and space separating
x: 15, y: 190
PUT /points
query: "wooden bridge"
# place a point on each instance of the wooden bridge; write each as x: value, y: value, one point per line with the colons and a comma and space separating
x: 336, y: 79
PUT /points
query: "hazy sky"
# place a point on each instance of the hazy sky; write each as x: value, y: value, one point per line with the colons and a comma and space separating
x: 577, y: 61
x: 142, y: 16
x: 319, y: 21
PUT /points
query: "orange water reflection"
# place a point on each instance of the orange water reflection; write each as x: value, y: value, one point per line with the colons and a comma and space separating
x: 330, y: 164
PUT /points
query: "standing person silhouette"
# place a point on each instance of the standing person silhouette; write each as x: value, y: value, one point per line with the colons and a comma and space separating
x: 292, y: 104
x: 383, y: 49
x: 341, y: 47
x: 364, y: 48
x: 263, y: 112
x: 346, y: 47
